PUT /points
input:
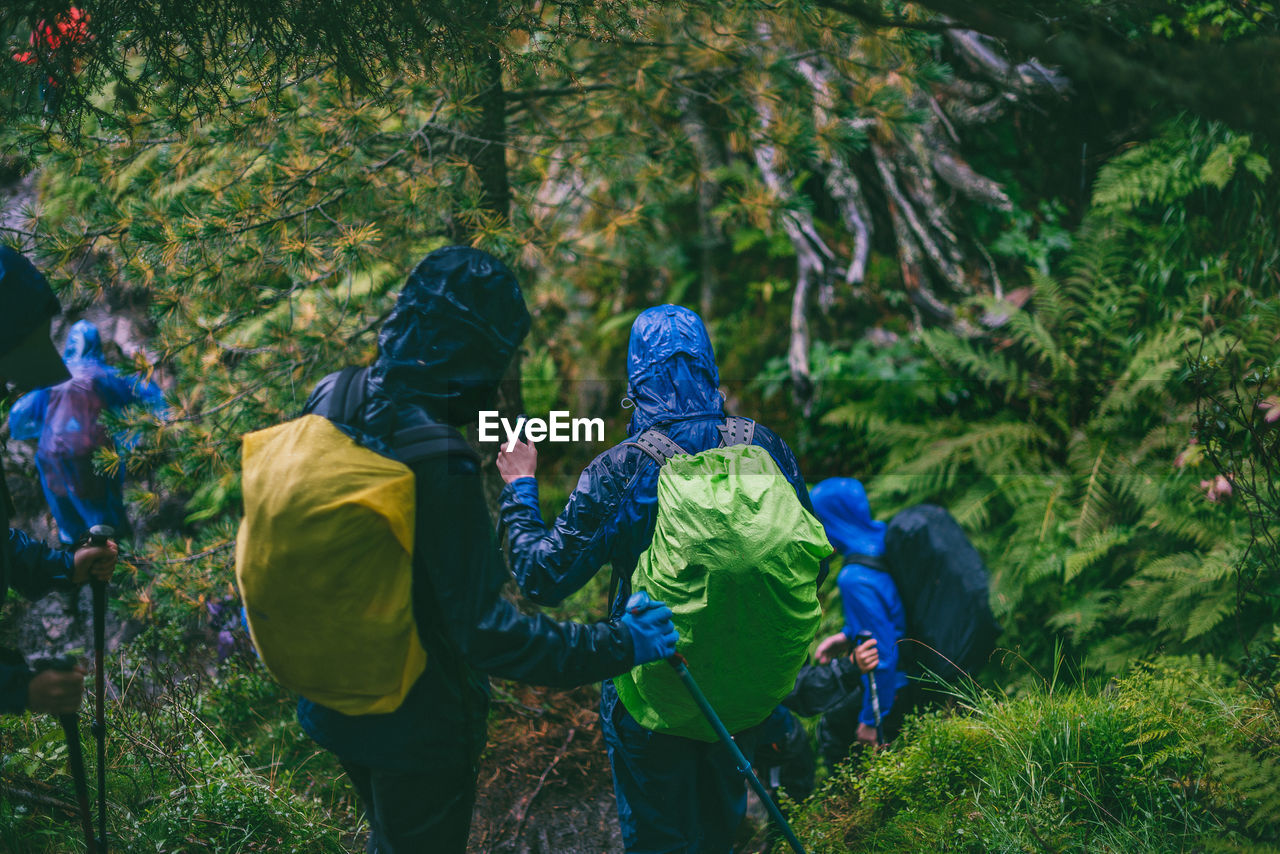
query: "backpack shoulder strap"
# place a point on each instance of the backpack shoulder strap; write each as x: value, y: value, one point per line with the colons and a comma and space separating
x: 872, y: 561
x: 348, y: 395
x: 429, y: 440
x: 658, y: 445
x: 737, y: 430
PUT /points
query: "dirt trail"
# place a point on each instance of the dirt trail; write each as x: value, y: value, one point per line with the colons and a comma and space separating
x: 545, y: 786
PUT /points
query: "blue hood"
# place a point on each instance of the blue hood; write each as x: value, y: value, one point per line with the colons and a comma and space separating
x: 671, y: 368
x: 83, y: 349
x: 449, y: 340
x: 840, y: 503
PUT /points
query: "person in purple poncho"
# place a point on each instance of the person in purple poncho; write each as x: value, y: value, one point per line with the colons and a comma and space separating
x: 65, y: 420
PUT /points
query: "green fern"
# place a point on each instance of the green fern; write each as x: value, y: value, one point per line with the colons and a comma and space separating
x: 1188, y: 156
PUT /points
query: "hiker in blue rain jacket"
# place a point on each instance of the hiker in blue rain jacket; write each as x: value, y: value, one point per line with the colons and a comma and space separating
x: 673, y: 793
x: 28, y: 360
x: 64, y: 418
x: 871, y: 603
x: 442, y: 352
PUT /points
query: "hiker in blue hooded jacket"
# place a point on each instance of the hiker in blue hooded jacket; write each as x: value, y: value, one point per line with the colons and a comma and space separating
x: 871, y: 603
x: 28, y: 360
x: 442, y: 352
x: 673, y: 793
x: 64, y: 418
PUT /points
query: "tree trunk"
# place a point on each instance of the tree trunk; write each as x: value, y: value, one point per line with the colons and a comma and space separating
x: 484, y: 146
x: 709, y: 236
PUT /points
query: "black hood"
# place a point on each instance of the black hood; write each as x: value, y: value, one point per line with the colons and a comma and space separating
x: 447, y: 343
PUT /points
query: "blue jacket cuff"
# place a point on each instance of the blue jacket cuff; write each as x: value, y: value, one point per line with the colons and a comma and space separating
x: 522, y: 490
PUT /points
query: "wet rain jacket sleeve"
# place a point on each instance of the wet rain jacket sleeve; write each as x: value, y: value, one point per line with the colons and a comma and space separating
x: 119, y: 390
x: 871, y: 603
x: 26, y: 418
x: 458, y: 579
x: 33, y: 569
x: 552, y: 562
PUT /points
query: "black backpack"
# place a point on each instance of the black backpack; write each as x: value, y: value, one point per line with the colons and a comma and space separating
x: 944, y: 586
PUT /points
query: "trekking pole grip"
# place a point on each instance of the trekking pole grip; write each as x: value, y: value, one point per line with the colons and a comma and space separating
x: 859, y: 639
x: 99, y: 534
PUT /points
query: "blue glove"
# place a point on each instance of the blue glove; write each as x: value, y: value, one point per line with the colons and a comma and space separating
x: 652, y: 632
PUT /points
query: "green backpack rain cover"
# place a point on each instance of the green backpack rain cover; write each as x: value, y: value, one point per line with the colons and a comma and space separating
x: 736, y: 557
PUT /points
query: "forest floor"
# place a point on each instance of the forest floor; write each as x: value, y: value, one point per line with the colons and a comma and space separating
x: 544, y: 780
x: 545, y: 785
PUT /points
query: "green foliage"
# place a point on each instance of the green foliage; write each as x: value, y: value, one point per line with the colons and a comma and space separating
x: 1065, y: 442
x: 1036, y: 239
x: 1213, y: 20
x: 1174, y: 755
x: 267, y: 245
x: 1236, y: 431
x: 194, y: 765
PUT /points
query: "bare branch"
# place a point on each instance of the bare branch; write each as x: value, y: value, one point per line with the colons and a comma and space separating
x: 984, y: 56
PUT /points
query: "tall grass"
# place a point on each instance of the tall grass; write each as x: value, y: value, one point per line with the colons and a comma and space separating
x: 196, y: 764
x: 1175, y: 756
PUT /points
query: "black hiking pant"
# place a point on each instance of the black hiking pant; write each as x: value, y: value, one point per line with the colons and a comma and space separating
x: 419, y: 800
x: 674, y: 794
x: 838, y: 728
x: 415, y: 813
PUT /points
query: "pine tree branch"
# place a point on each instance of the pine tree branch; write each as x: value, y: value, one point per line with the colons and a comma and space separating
x: 872, y: 15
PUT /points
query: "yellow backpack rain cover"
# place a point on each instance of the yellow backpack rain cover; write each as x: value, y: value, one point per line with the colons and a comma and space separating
x: 324, y: 565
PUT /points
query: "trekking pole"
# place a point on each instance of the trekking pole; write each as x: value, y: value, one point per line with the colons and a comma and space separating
x: 98, y: 536
x: 75, y: 754
x: 858, y: 640
x: 678, y: 663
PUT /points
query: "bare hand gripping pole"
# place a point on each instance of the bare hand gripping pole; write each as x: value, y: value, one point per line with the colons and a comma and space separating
x: 98, y: 536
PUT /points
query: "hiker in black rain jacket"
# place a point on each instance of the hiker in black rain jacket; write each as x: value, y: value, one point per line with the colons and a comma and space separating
x: 28, y: 360
x: 674, y: 794
x: 441, y: 355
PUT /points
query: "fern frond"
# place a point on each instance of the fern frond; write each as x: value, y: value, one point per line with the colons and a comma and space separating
x: 1085, y: 614
x: 1093, y: 550
x: 942, y: 460
x: 1048, y: 300
x: 1095, y: 500
x: 1149, y: 370
x: 967, y: 358
x: 1180, y: 524
x: 1027, y: 330
x: 1186, y: 156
